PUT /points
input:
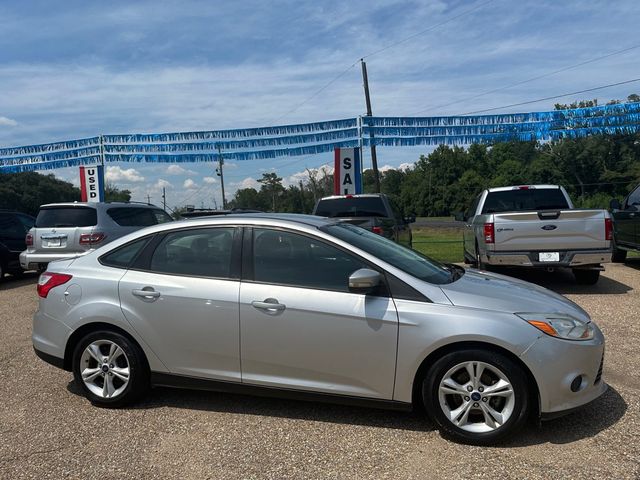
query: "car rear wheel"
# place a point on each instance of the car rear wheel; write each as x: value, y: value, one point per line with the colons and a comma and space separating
x: 586, y: 277
x: 476, y: 396
x: 111, y: 369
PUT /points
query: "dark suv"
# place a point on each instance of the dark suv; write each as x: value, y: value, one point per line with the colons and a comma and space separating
x: 13, y: 228
x: 374, y: 211
x: 626, y: 225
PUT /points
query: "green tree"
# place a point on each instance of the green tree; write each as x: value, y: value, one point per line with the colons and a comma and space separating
x: 114, y: 194
x: 272, y: 186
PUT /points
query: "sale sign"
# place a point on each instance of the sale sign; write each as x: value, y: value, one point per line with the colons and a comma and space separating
x: 92, y: 183
x: 347, y: 174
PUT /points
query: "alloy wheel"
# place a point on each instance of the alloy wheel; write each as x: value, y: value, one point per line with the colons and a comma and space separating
x: 104, y: 368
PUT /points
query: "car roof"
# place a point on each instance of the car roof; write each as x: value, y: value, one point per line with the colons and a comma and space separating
x: 99, y: 204
x: 310, y: 220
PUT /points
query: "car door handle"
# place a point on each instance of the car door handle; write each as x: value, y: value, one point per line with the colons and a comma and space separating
x: 270, y: 305
x: 147, y: 293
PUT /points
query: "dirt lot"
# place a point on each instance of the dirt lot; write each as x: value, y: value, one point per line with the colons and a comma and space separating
x: 47, y: 430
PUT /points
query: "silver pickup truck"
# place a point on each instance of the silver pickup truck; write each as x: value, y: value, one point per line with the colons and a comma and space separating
x: 536, y: 226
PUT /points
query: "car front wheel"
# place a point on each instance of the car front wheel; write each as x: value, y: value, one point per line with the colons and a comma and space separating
x: 476, y: 396
x: 111, y: 369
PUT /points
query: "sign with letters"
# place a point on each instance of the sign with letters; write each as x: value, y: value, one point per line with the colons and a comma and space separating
x: 92, y: 183
x: 347, y: 173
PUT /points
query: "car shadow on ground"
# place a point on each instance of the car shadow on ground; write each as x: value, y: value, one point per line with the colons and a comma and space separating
x: 10, y: 281
x: 585, y: 423
x: 633, y: 263
x: 562, y: 281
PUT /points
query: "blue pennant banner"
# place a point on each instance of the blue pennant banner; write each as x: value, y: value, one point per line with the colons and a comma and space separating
x: 323, y: 137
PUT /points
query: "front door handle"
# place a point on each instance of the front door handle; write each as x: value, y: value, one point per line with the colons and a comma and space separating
x: 147, y: 293
x: 269, y: 305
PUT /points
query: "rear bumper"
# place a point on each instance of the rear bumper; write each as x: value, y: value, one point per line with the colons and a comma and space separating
x: 568, y: 258
x: 32, y: 260
x: 50, y: 359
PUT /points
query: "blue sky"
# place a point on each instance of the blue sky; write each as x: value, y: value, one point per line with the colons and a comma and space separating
x: 80, y: 68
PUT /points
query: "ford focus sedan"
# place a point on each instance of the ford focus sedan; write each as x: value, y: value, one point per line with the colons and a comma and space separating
x: 311, y: 308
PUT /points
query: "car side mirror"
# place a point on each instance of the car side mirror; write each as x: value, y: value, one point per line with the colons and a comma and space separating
x: 614, y: 204
x: 364, y: 280
x: 410, y: 219
x: 459, y: 216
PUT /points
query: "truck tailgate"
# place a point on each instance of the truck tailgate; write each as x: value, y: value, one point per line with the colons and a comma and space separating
x: 571, y: 230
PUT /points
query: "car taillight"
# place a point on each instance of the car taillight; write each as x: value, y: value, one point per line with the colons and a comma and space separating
x: 608, y: 229
x: 29, y: 240
x: 49, y: 280
x: 489, y: 236
x: 91, y: 238
x: 377, y: 230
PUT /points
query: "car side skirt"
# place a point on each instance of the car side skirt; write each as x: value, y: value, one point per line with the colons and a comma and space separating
x: 180, y: 381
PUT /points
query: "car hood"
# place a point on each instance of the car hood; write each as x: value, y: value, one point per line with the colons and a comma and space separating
x: 491, y: 291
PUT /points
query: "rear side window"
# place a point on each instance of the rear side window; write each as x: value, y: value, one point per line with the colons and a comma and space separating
x: 123, y: 256
x: 525, y: 200
x: 137, y: 217
x: 352, y: 207
x: 10, y: 227
x: 51, y: 217
x: 204, y: 252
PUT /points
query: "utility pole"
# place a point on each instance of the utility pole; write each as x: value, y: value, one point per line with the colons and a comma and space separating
x: 164, y: 199
x: 148, y: 199
x: 374, y: 157
x: 220, y: 173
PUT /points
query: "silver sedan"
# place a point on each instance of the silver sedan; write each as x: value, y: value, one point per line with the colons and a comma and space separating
x: 311, y: 308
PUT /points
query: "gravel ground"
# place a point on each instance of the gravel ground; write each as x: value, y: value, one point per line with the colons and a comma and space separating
x: 47, y: 430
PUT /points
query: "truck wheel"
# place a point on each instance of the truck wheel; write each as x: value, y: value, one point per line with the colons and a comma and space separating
x: 619, y: 256
x: 586, y: 277
x: 478, y: 260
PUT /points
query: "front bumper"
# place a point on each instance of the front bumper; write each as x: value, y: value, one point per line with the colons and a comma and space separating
x: 568, y: 258
x: 556, y: 363
x: 33, y: 260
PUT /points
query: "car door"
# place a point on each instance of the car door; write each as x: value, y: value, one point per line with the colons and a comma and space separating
x: 181, y: 296
x: 627, y: 221
x: 12, y: 234
x: 469, y: 237
x: 301, y: 328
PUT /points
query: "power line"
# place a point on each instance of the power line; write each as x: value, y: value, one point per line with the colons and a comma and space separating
x: 432, y: 27
x: 553, y: 97
x: 538, y: 77
x: 376, y: 52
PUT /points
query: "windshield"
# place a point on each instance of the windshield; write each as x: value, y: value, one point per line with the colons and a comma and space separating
x: 531, y: 199
x: 52, y: 217
x: 351, y: 207
x: 403, y: 258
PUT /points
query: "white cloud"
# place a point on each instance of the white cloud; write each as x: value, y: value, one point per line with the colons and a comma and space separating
x: 178, y: 170
x: 7, y: 122
x: 248, y: 182
x: 114, y: 173
x: 162, y: 183
x: 189, y: 184
x: 209, y: 180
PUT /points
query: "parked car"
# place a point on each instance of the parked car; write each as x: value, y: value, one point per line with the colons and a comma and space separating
x: 66, y: 230
x: 13, y: 227
x: 317, y: 309
x: 536, y: 226
x: 206, y: 212
x: 626, y: 225
x: 375, y: 211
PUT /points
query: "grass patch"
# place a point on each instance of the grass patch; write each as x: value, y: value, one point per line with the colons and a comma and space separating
x: 444, y: 244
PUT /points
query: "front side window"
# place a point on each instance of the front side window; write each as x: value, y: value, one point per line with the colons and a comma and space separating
x: 60, y: 217
x: 286, y: 258
x: 203, y: 252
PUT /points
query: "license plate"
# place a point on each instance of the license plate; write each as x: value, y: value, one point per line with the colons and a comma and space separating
x: 549, y: 256
x: 55, y: 242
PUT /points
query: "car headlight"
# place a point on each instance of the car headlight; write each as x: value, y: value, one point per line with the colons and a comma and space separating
x: 560, y: 325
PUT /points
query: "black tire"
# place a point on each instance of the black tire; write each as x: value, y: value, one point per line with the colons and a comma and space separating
x: 619, y: 256
x: 586, y: 277
x: 139, y: 374
x: 478, y: 259
x: 519, y: 401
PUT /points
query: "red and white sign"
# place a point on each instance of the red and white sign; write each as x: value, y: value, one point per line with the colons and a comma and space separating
x: 92, y: 183
x: 347, y: 178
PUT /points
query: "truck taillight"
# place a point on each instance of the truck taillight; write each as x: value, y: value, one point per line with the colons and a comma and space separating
x: 49, y: 280
x: 91, y: 238
x: 489, y: 236
x: 377, y: 230
x: 608, y: 229
x: 29, y: 240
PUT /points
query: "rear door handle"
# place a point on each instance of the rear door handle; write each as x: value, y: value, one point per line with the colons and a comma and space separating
x: 147, y: 293
x: 270, y: 305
